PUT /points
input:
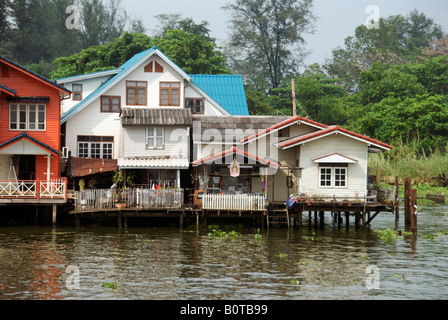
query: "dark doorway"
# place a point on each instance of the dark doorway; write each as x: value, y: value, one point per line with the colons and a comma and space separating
x: 27, y: 168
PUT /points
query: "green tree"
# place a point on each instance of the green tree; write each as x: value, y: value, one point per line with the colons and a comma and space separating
x: 190, y: 52
x: 173, y: 21
x: 398, y: 40
x: 266, y: 41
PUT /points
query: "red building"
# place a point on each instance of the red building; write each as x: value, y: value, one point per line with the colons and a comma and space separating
x: 30, y: 136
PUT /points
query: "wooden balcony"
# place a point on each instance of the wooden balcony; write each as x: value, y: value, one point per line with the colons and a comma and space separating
x: 31, y: 191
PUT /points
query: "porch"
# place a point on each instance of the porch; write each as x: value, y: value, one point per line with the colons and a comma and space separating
x: 33, y: 191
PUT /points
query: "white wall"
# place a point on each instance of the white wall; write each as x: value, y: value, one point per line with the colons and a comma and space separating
x: 210, y: 109
x: 88, y: 87
x: 357, y: 172
x: 176, y: 142
x: 92, y: 122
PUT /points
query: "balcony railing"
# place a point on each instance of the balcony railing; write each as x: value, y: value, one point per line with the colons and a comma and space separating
x: 250, y: 202
x: 99, y: 199
x: 17, y: 189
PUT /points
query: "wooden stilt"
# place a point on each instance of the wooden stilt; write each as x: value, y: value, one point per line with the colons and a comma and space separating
x: 267, y: 219
x: 55, y: 210
x: 347, y: 220
x: 364, y: 217
x: 181, y: 220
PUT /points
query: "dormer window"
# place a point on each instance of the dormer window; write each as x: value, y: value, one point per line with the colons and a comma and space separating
x: 77, y: 92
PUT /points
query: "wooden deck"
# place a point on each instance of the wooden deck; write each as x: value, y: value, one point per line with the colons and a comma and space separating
x: 362, y: 213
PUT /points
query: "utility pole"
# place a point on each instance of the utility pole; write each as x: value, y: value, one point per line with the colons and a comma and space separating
x: 293, y: 88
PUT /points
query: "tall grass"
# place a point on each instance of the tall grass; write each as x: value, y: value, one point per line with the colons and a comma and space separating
x: 405, y: 162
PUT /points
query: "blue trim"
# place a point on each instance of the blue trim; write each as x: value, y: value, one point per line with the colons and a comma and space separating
x: 9, y: 90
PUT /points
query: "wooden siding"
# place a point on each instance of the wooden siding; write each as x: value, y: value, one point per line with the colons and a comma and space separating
x: 357, y: 172
x: 26, y: 86
x: 88, y: 87
x: 92, y: 122
x: 134, y: 142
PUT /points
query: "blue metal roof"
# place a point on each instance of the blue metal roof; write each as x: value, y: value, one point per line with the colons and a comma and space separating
x: 226, y: 90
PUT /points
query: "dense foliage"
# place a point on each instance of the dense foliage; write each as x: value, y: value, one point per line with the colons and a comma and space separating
x: 389, y: 83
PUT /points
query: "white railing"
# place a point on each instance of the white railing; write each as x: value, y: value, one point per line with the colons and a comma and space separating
x: 18, y: 189
x: 98, y: 199
x: 54, y: 189
x: 234, y: 202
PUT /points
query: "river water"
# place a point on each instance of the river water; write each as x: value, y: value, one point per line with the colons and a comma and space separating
x: 164, y: 262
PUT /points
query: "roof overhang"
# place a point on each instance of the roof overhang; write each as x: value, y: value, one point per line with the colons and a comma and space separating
x: 235, y: 152
x: 7, y: 90
x: 87, y: 76
x: 153, y: 163
x: 331, y: 131
x: 282, y: 125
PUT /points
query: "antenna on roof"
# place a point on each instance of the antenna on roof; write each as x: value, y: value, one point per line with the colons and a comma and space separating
x: 294, y: 102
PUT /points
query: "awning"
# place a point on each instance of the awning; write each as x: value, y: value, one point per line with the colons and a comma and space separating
x: 334, y: 158
x: 81, y: 167
x: 153, y: 163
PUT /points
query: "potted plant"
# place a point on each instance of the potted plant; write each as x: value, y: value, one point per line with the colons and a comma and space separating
x: 118, y: 194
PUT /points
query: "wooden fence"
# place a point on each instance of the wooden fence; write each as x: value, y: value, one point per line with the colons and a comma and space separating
x: 98, y: 199
x: 234, y: 202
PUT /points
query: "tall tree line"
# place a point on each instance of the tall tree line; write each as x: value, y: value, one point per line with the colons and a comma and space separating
x: 35, y: 33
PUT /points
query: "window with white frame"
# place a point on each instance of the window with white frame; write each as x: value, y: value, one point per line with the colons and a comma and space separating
x: 95, y: 147
x: 332, y: 177
x: 155, y: 138
x: 27, y: 117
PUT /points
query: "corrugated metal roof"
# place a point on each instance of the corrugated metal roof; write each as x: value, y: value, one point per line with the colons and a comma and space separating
x: 248, y: 125
x: 153, y: 162
x: 155, y: 116
x: 226, y: 90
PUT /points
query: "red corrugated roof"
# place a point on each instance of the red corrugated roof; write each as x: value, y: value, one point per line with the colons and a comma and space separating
x: 332, y: 129
x: 284, y: 124
x: 234, y: 150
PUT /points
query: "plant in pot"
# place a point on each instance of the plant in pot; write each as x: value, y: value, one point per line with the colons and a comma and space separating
x: 118, y: 180
x: 122, y: 180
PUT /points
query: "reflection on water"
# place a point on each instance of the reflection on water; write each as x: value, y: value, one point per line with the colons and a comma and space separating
x: 168, y: 263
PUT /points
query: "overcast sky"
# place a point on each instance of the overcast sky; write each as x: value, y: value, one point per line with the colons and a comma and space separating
x: 336, y: 19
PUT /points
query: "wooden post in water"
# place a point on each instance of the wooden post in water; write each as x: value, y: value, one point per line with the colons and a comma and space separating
x: 410, y: 205
x: 407, y: 188
x: 347, y: 220
x: 396, y: 201
x: 55, y: 211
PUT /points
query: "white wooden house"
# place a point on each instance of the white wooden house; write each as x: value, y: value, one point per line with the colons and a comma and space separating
x: 140, y: 114
x: 304, y: 157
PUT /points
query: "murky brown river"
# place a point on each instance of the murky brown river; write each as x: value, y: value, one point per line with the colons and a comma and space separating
x: 148, y: 263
